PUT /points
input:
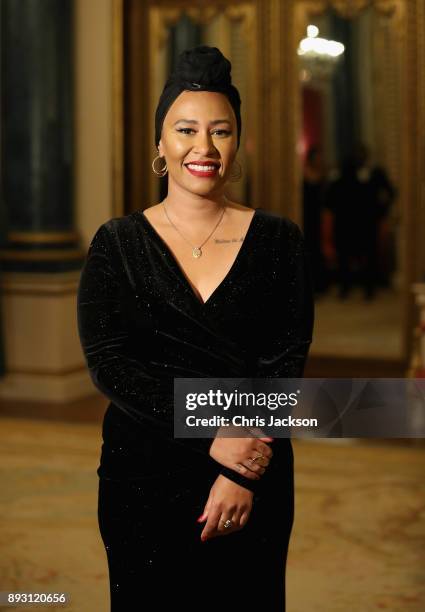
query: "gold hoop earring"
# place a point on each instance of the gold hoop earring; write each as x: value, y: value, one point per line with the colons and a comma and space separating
x: 236, y: 177
x: 163, y: 170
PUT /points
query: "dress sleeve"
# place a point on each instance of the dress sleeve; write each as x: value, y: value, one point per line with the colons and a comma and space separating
x: 104, y: 337
x: 283, y: 351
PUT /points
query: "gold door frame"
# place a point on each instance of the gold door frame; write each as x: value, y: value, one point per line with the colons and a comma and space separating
x: 279, y: 26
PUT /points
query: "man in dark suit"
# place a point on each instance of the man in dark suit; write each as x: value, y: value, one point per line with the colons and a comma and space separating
x: 360, y: 197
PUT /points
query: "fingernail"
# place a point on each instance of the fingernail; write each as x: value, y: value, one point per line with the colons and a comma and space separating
x: 199, y: 519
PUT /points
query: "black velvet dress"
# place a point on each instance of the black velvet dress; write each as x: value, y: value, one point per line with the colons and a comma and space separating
x: 141, y: 325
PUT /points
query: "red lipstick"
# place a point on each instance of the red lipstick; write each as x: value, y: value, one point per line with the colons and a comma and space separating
x: 196, y: 168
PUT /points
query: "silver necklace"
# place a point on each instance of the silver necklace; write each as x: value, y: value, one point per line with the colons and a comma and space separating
x: 196, y: 251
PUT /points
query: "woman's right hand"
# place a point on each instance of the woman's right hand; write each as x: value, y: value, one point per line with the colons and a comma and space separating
x: 235, y: 453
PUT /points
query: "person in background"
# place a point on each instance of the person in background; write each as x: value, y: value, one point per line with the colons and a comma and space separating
x: 359, y: 198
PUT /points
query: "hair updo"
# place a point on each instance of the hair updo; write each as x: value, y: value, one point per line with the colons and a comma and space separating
x: 201, y: 68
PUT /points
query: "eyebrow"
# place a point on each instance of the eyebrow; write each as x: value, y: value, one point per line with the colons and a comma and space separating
x: 193, y: 121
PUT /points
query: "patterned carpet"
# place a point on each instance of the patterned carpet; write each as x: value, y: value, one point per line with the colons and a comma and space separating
x: 358, y: 542
x: 355, y: 328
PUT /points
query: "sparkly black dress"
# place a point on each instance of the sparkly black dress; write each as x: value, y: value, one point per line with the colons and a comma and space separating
x: 141, y: 325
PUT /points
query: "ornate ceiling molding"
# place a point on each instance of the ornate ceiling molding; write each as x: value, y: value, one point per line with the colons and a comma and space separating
x: 350, y: 9
x: 169, y: 16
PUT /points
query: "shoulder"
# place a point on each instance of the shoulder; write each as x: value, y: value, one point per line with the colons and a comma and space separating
x: 114, y: 226
x: 280, y: 225
x: 111, y: 235
x: 121, y: 223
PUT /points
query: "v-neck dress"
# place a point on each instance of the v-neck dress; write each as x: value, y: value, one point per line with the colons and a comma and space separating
x: 141, y: 325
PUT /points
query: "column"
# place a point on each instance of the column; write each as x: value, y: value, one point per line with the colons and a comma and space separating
x: 37, y: 136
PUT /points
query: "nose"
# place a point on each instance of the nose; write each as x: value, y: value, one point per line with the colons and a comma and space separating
x: 204, y: 143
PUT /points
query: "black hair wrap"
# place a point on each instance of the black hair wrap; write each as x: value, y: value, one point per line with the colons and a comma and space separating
x: 201, y: 68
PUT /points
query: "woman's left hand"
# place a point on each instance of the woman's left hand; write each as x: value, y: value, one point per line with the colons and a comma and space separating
x: 227, y: 500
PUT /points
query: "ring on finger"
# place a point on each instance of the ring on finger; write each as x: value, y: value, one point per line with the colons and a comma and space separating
x: 227, y: 524
x: 252, y: 460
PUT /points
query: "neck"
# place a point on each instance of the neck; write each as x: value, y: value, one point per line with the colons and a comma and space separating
x: 192, y: 208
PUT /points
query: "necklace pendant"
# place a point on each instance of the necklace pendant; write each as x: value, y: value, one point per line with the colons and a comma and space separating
x: 196, y: 252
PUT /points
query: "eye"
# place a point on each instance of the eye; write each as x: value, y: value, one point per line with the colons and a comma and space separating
x: 225, y: 132
x: 185, y: 130
x: 219, y: 132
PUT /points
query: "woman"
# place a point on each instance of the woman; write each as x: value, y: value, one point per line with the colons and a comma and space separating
x: 195, y: 286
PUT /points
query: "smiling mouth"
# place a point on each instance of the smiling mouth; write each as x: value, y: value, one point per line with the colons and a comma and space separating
x: 202, y: 167
x: 202, y: 171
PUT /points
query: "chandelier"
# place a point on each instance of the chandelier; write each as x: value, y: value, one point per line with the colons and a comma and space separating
x: 319, y: 56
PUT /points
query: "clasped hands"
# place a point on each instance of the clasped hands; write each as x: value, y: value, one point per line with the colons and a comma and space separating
x: 228, y: 500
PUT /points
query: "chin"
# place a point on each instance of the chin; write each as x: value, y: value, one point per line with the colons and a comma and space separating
x: 206, y: 190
